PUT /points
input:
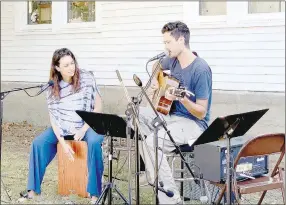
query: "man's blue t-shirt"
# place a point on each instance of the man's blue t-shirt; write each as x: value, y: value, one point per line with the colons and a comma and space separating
x: 197, y: 78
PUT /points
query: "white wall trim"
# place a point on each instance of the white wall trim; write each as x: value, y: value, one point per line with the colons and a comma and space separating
x: 239, y: 11
x: 82, y: 27
x: 191, y: 16
x: 237, y: 16
x: 20, y: 21
x: 59, y: 21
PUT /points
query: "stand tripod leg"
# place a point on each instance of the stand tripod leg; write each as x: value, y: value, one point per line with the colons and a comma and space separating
x: 136, y: 165
x: 5, y: 189
x: 1, y: 117
x: 121, y: 195
x: 107, y: 191
x: 103, y: 194
x: 129, y: 161
x: 228, y: 172
x: 156, y: 165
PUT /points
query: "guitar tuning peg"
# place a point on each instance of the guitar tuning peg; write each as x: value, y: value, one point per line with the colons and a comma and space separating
x: 189, y: 93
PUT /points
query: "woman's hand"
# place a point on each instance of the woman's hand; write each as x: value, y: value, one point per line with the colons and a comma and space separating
x: 68, y: 151
x: 79, y: 135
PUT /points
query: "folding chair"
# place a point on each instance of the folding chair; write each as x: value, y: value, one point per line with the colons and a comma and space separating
x: 261, y: 145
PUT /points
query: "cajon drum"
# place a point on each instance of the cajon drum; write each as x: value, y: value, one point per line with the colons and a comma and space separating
x: 73, y: 175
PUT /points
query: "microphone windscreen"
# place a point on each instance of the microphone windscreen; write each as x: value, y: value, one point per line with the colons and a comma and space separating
x: 118, y: 75
x: 137, y: 80
x: 51, y: 82
x: 170, y: 193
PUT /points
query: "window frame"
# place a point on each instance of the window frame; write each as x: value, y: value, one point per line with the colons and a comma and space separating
x: 59, y: 20
x: 237, y: 16
x: 191, y: 15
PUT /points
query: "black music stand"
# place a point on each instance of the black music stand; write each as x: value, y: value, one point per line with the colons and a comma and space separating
x: 112, y: 126
x: 228, y: 127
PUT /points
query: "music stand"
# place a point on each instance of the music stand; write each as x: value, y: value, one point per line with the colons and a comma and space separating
x: 228, y: 127
x: 107, y: 125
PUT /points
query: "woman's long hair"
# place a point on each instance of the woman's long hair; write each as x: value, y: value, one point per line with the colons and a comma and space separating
x: 56, y: 76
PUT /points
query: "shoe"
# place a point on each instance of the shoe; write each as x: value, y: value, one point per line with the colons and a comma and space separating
x: 93, y: 201
x: 24, y: 196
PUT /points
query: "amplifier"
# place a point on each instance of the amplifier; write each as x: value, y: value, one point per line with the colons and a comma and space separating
x: 210, y: 159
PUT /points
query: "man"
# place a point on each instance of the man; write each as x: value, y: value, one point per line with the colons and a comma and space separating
x: 188, y: 117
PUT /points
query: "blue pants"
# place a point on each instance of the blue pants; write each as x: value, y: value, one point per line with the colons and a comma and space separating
x: 44, y: 149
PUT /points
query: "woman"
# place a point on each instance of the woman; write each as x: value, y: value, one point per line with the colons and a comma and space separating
x: 73, y: 89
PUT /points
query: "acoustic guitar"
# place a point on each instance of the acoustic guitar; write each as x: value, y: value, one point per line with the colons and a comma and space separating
x: 162, y: 104
x: 165, y: 81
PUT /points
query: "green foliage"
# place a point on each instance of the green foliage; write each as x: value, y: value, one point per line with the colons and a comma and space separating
x: 83, y: 9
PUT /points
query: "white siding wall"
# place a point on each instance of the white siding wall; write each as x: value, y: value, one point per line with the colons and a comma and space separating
x: 247, y: 57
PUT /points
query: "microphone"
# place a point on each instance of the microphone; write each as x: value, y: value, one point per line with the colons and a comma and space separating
x: 137, y: 80
x: 118, y: 76
x: 167, y: 192
x: 121, y: 82
x: 44, y: 87
x: 161, y: 55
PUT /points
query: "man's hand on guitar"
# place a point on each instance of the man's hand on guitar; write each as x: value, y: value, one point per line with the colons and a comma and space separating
x: 169, y: 95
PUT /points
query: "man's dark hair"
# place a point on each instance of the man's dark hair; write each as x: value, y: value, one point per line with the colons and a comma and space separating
x: 178, y: 29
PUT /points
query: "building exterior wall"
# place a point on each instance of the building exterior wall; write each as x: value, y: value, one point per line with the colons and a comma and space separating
x: 246, y: 52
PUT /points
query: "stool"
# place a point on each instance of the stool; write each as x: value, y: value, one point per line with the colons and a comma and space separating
x: 187, y: 152
x: 73, y: 175
x: 189, y: 190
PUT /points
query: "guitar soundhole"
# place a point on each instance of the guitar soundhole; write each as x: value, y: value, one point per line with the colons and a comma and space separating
x: 164, y: 102
x: 164, y: 105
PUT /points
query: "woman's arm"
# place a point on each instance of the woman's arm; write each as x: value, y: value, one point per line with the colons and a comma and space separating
x: 57, y: 132
x: 68, y: 150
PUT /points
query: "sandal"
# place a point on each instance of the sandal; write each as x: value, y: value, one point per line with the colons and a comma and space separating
x: 93, y: 201
x: 24, y: 194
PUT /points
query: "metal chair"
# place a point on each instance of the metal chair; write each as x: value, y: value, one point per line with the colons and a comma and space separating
x: 259, y: 146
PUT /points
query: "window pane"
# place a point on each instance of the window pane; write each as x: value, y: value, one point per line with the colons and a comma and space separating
x: 81, y: 11
x: 39, y: 12
x: 212, y: 8
x: 264, y: 6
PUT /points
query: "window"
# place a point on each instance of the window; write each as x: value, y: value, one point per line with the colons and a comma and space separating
x: 39, y: 12
x: 81, y: 11
x: 266, y: 6
x: 212, y: 8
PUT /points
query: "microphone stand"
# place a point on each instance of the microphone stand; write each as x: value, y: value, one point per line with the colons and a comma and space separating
x: 131, y: 111
x: 2, y: 96
x: 227, y: 135
x: 137, y: 193
x: 157, y: 122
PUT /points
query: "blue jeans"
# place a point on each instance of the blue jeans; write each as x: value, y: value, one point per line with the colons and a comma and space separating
x: 44, y: 149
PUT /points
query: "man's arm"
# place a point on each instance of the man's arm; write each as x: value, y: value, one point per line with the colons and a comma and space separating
x: 198, y: 108
x: 201, y: 91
